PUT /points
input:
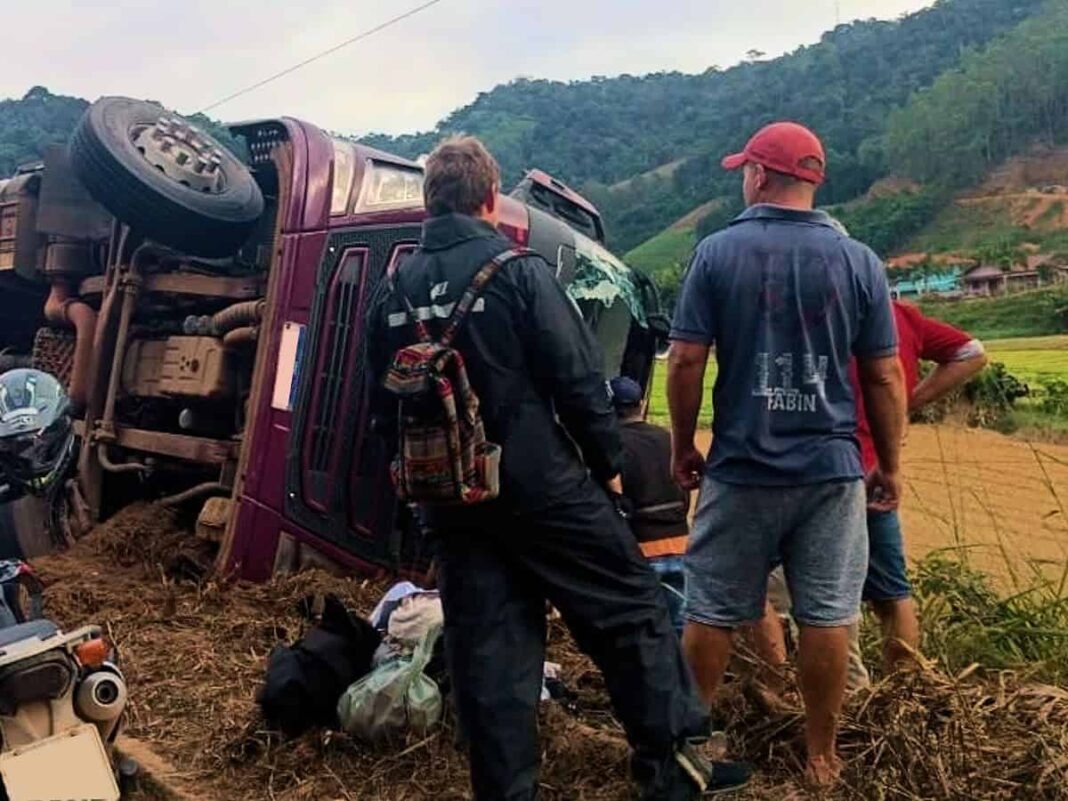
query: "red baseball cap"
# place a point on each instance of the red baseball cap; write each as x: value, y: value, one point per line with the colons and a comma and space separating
x: 782, y: 146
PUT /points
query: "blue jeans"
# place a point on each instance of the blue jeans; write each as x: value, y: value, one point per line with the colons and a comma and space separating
x: 672, y: 574
x: 888, y: 578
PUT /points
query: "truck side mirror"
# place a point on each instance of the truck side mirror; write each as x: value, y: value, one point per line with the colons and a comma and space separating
x: 660, y: 328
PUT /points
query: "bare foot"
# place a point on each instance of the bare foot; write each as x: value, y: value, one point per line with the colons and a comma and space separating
x: 822, y: 771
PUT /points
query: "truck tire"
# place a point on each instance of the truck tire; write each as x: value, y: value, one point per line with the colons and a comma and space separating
x: 165, y: 177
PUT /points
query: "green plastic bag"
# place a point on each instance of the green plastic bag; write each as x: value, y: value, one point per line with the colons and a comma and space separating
x: 394, y: 699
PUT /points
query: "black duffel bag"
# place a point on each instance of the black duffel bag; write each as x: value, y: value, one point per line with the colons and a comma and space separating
x: 305, y: 680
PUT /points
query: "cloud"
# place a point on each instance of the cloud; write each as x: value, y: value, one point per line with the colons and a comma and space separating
x: 190, y: 54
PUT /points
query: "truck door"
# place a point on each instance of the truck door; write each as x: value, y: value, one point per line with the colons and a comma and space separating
x: 337, y: 477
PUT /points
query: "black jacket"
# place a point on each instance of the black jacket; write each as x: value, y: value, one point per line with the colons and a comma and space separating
x: 659, y: 505
x: 532, y: 361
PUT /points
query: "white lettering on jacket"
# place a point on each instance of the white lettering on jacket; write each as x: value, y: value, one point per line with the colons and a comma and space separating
x: 432, y: 312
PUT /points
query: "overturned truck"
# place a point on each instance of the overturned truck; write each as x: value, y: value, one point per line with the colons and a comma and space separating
x: 204, y: 304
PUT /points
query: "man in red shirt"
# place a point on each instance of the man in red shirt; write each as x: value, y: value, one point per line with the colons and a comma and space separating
x: 957, y: 357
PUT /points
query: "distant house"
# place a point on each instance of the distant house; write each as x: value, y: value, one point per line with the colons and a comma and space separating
x: 913, y: 274
x: 941, y: 283
x: 985, y: 279
x: 988, y: 279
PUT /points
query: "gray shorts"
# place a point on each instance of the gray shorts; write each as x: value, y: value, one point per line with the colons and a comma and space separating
x: 818, y: 532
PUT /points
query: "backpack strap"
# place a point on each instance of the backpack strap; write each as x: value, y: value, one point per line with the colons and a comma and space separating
x: 421, y: 330
x: 474, y: 291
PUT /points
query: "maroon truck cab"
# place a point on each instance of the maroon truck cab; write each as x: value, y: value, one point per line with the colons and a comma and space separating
x: 207, y: 317
x: 311, y: 475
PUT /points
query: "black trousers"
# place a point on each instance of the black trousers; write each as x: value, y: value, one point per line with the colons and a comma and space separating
x: 496, y: 570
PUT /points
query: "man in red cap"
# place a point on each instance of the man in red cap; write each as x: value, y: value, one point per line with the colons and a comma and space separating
x: 787, y: 299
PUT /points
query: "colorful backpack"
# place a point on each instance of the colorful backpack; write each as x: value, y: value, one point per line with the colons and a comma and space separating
x: 442, y: 453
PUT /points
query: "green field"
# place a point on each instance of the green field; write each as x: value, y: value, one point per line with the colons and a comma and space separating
x: 658, y: 407
x: 664, y: 259
x: 1034, y: 360
x: 1038, y: 362
x: 1027, y: 314
x: 672, y: 246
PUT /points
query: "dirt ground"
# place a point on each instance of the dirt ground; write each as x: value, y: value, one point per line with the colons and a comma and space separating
x: 1000, y: 501
x: 194, y: 651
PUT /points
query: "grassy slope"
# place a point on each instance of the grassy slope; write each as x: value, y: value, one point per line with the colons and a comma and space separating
x: 658, y: 408
x: 670, y: 246
x: 979, y: 226
x: 1028, y: 314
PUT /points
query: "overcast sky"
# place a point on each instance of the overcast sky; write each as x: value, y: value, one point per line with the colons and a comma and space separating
x: 189, y: 53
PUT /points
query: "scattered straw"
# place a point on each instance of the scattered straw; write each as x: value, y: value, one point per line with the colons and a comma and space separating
x: 194, y: 652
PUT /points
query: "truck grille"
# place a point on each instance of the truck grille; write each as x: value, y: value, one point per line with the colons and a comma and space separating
x: 343, y: 319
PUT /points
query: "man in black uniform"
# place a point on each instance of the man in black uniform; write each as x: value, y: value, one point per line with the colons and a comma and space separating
x: 553, y: 534
x: 656, y: 505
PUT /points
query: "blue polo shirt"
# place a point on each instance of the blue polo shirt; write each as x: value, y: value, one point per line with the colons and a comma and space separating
x: 786, y: 298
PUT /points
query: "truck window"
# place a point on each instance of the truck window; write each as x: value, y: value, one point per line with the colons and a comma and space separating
x: 344, y: 170
x: 609, y: 299
x: 388, y: 187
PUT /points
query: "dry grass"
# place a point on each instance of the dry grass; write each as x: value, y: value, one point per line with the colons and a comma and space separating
x: 195, y: 651
x: 925, y: 735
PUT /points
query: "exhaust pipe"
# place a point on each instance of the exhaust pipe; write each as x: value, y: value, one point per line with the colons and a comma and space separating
x: 64, y: 308
x: 239, y: 337
x: 246, y: 314
x: 101, y: 697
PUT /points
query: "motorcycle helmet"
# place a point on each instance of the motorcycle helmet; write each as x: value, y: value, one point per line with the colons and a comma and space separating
x: 36, y: 433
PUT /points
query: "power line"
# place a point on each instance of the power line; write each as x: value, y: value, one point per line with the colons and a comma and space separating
x: 358, y: 37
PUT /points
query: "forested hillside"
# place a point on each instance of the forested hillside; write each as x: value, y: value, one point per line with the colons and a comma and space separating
x: 1002, y: 99
x: 597, y: 133
x: 940, y: 95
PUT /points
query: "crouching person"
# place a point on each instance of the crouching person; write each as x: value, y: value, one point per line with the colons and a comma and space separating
x: 656, y: 505
x: 551, y: 533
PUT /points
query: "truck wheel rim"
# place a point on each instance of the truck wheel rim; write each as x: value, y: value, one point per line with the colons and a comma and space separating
x: 182, y: 152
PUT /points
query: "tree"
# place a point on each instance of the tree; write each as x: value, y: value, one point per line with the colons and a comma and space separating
x: 1003, y: 98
